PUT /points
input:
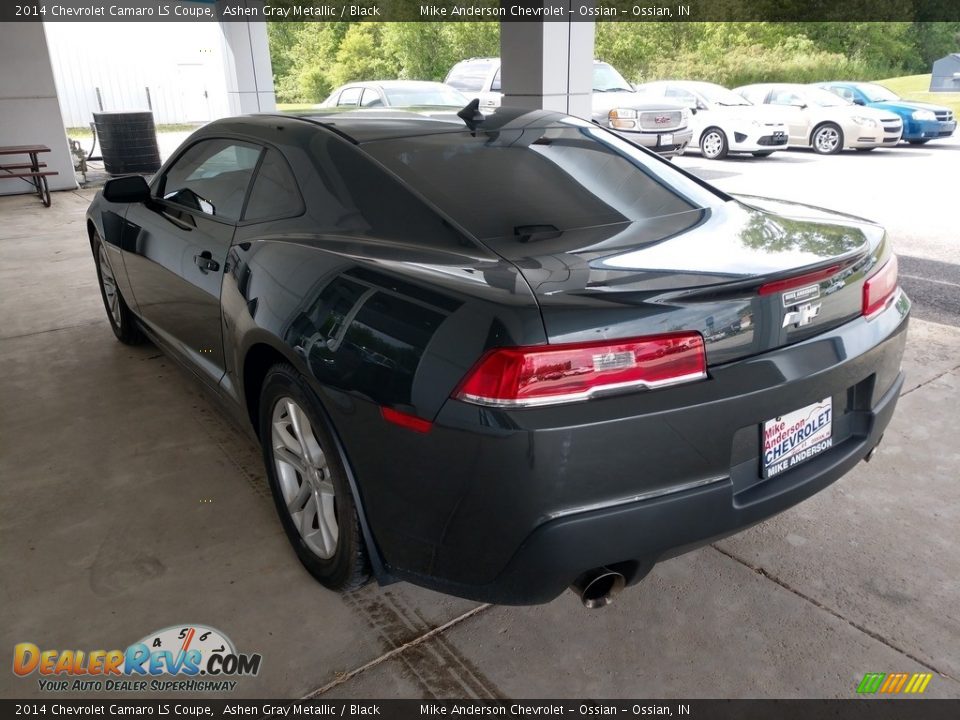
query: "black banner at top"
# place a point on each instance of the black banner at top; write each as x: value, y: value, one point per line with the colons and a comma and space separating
x: 479, y: 10
x: 916, y: 709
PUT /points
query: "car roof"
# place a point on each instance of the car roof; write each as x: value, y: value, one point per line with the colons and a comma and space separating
x: 497, y: 59
x: 394, y: 84
x: 372, y: 124
x: 791, y: 86
x: 690, y: 84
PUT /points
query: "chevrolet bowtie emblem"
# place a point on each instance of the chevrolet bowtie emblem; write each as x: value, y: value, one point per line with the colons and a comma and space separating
x: 802, y: 315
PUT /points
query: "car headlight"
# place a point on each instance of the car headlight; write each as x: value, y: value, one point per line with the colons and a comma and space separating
x: 923, y: 115
x: 865, y: 121
x: 623, y: 118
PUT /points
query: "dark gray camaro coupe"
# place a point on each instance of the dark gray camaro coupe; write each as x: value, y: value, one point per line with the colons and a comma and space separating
x: 501, y: 356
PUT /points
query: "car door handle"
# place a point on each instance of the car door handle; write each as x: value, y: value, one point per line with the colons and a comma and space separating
x: 205, y: 262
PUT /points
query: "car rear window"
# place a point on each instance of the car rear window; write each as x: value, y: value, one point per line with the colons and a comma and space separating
x: 512, y: 182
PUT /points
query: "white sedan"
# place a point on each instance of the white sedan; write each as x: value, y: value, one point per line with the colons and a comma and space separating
x: 722, y: 121
x: 824, y: 121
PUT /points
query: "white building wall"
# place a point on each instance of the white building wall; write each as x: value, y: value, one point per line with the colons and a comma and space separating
x: 181, y: 63
x: 29, y: 111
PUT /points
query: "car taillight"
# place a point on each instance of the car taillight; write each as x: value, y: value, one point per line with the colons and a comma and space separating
x: 879, y: 288
x: 551, y: 374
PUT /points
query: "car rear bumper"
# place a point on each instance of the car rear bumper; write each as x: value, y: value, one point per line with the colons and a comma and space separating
x: 632, y: 537
x: 510, y: 506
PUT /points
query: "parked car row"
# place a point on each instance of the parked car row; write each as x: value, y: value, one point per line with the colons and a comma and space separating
x: 655, y: 123
x: 669, y: 116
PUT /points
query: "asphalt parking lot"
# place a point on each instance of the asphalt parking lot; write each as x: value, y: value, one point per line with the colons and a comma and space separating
x: 129, y: 504
x: 911, y: 190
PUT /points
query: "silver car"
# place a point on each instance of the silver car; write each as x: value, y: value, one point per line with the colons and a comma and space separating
x: 657, y: 124
x: 394, y: 93
x: 824, y: 121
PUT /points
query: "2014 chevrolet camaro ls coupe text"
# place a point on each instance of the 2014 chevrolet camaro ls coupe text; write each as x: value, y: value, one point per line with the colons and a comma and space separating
x: 501, y: 356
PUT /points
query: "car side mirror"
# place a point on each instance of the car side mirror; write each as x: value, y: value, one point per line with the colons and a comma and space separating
x: 129, y: 189
x: 858, y: 101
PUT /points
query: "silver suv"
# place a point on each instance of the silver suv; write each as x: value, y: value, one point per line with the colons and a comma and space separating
x: 656, y: 124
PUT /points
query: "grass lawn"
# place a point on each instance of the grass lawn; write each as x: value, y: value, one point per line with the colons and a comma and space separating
x: 294, y: 107
x: 83, y: 133
x: 916, y: 87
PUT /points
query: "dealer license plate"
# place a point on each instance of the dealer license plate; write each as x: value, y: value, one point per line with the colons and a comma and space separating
x: 796, y: 437
x: 666, y: 139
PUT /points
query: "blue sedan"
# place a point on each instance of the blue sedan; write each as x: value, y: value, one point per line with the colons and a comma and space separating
x: 922, y: 122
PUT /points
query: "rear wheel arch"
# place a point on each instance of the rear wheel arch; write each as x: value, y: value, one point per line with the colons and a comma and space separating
x: 92, y: 231
x: 257, y: 362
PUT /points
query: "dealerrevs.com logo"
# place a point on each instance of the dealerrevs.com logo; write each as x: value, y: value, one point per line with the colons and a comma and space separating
x: 184, y: 658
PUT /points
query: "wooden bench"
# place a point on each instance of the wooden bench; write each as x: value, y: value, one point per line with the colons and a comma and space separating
x: 29, y: 172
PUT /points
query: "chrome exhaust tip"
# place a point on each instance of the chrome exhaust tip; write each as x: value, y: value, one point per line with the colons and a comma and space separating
x: 873, y: 451
x: 596, y: 588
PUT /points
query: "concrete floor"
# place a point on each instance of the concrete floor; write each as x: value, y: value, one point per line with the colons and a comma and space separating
x: 128, y: 504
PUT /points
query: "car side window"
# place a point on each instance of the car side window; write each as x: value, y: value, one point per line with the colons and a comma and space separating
x: 469, y: 77
x: 785, y: 97
x: 212, y: 176
x: 845, y: 93
x: 754, y: 95
x: 371, y: 98
x: 495, y: 85
x: 351, y: 193
x: 275, y: 193
x: 683, y: 97
x: 350, y: 96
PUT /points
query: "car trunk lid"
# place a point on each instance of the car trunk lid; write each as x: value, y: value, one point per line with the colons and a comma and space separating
x: 750, y: 275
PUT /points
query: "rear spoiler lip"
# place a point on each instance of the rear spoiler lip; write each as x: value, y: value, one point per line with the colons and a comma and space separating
x: 745, y: 199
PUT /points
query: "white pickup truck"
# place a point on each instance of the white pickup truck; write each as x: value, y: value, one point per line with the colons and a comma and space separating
x: 659, y: 125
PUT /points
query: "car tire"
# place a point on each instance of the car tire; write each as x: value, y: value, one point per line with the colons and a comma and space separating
x: 827, y: 139
x: 309, y: 482
x: 122, y: 320
x: 919, y: 142
x: 763, y: 153
x: 713, y: 144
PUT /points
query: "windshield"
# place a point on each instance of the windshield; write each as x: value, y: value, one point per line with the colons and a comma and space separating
x: 567, y: 176
x: 606, y: 79
x: 436, y: 95
x: 717, y: 95
x: 877, y: 93
x: 825, y: 98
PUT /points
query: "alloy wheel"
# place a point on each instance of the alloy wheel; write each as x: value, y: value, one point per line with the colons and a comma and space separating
x: 826, y: 140
x: 304, y: 478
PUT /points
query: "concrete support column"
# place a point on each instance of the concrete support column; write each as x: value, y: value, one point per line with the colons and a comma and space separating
x: 29, y: 108
x: 549, y: 64
x: 246, y: 60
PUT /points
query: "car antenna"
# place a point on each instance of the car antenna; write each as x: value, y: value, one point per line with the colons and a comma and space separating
x: 471, y: 114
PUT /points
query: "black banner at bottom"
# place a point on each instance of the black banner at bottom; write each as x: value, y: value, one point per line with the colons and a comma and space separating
x: 859, y: 708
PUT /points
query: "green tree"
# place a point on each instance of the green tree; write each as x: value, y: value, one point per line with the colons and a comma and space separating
x: 362, y: 56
